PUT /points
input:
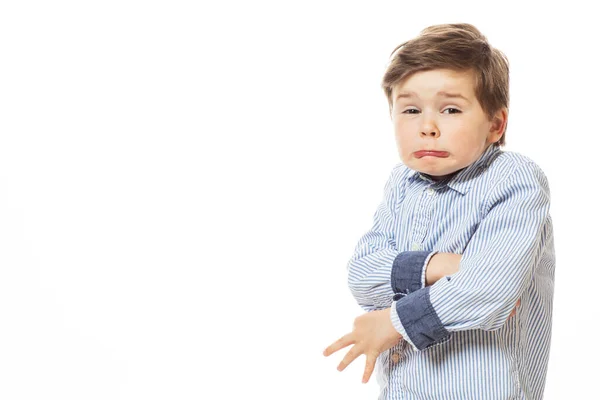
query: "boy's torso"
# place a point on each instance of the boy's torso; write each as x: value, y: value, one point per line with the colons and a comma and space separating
x: 508, y: 363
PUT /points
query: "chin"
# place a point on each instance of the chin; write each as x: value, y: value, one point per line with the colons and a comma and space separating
x: 428, y: 170
x: 436, y: 172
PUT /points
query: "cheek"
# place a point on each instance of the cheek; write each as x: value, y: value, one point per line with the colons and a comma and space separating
x: 463, y: 135
x: 402, y: 131
x: 402, y: 139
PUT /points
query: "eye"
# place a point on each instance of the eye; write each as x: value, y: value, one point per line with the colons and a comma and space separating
x: 452, y: 110
x: 410, y: 111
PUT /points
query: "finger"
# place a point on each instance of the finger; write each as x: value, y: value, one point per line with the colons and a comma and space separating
x: 514, y: 311
x: 342, y: 342
x: 350, y: 356
x: 369, y: 367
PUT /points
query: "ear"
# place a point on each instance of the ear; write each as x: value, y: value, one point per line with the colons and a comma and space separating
x: 498, y: 125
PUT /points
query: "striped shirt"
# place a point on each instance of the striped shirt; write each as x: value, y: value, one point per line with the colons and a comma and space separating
x: 459, y: 342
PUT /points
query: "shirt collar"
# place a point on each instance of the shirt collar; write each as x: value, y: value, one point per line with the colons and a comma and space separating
x: 462, y: 180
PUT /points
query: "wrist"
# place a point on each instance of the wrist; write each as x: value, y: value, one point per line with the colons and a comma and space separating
x: 440, y: 265
x: 432, y: 270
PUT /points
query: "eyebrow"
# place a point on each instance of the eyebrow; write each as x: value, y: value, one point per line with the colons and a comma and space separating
x: 408, y: 95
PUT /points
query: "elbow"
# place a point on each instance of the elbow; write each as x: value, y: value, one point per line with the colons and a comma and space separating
x: 358, y: 290
x: 363, y: 300
x: 356, y: 280
x: 371, y: 297
x: 364, y: 293
x: 362, y: 287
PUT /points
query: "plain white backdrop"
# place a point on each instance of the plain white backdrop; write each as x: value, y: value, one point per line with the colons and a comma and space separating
x: 183, y: 183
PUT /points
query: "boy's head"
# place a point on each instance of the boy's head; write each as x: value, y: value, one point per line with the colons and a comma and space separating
x: 447, y: 91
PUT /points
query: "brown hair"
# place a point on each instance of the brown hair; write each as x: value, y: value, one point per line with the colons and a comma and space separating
x: 459, y: 47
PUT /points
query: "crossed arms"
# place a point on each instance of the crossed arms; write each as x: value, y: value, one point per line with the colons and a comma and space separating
x: 481, y: 287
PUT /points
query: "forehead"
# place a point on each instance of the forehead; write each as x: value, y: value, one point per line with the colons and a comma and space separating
x: 430, y: 83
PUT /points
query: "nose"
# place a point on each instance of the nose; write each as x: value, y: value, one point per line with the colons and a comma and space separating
x: 429, y: 128
x: 434, y: 133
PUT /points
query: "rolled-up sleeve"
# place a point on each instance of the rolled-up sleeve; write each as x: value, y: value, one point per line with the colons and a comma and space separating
x: 495, y: 269
x: 408, y: 272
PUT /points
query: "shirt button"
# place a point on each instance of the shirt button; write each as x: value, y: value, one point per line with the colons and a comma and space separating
x: 430, y: 191
x: 415, y: 246
x: 395, y: 357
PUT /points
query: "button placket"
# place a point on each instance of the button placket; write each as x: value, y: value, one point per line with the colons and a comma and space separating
x: 422, y: 218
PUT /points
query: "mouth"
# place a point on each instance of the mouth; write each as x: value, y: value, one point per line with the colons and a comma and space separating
x: 431, y: 153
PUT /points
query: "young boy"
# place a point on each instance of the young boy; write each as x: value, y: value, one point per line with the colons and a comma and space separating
x: 462, y: 236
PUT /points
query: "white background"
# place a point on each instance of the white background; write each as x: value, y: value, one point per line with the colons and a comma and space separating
x: 183, y: 183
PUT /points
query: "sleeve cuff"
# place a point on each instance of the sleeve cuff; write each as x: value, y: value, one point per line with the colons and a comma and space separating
x: 421, y: 325
x: 408, y: 271
x: 423, y: 283
x: 398, y: 325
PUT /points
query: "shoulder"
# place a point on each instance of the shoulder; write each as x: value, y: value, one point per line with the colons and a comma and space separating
x: 509, y: 161
x: 511, y: 168
x: 399, y: 174
x: 395, y: 185
x: 514, y: 175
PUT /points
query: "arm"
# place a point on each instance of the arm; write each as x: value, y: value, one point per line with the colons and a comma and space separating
x: 414, y: 270
x: 441, y: 265
x: 370, y: 266
x: 377, y: 270
x: 495, y: 268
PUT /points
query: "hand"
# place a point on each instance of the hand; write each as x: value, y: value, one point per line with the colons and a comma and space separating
x: 372, y: 334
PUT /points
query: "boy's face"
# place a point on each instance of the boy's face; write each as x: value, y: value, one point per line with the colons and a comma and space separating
x: 437, y: 111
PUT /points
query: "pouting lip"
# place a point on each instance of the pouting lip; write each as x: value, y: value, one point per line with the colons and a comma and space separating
x: 435, y: 153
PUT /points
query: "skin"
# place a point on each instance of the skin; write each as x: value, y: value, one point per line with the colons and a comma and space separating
x: 432, y: 110
x: 426, y: 116
x: 373, y: 332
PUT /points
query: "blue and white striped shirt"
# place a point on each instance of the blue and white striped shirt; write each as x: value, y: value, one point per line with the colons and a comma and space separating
x: 459, y: 342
